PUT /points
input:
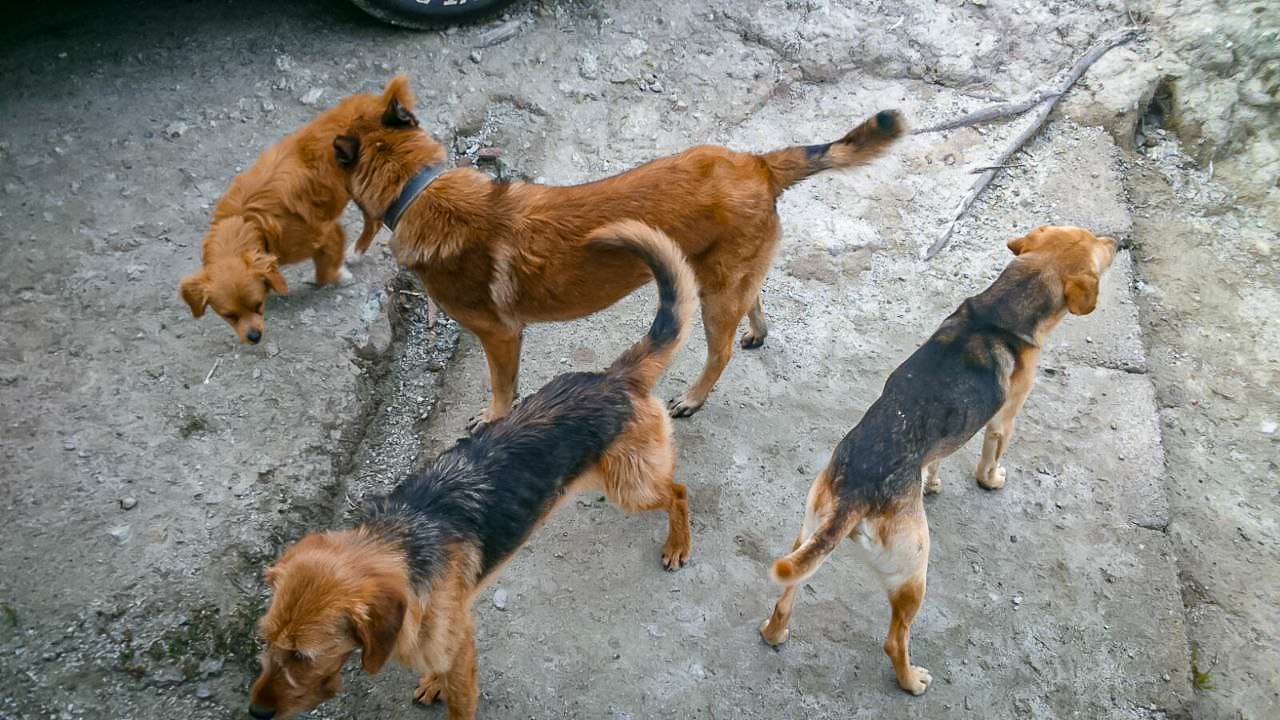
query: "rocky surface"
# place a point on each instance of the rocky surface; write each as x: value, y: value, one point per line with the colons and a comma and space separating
x: 1128, y: 570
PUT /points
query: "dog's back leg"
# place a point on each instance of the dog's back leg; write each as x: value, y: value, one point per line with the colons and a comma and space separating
x: 759, y: 330
x: 896, y: 545
x: 639, y: 472
x: 721, y: 313
x: 730, y: 281
x: 330, y: 248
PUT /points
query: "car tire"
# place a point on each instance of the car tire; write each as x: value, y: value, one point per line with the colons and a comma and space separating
x: 427, y: 14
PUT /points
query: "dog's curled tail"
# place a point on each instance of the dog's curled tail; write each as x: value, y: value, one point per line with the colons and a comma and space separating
x: 645, y: 361
x: 861, y: 145
x: 805, y: 560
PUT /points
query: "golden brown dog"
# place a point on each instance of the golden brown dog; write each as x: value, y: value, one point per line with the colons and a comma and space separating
x: 975, y: 370
x: 401, y: 584
x: 284, y: 209
x: 498, y: 256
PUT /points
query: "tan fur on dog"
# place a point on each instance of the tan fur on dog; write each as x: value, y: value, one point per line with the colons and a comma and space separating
x: 499, y: 256
x: 282, y: 210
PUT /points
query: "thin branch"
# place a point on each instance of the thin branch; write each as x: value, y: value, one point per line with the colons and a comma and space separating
x: 995, y: 112
x: 212, y: 370
x: 1037, y: 121
x: 977, y: 170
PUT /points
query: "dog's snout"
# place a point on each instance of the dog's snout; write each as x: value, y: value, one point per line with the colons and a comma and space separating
x: 261, y: 713
x: 254, y: 336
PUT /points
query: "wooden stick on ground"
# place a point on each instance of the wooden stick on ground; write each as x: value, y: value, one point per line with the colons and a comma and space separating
x: 1049, y: 100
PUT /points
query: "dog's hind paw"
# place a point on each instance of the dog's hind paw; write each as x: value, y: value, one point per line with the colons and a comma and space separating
x: 916, y: 681
x: 774, y: 637
x: 751, y: 341
x: 430, y: 689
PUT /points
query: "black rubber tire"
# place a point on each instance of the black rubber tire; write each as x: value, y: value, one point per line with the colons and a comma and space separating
x: 428, y: 14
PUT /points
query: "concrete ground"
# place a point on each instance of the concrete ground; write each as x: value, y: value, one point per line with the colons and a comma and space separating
x: 152, y: 468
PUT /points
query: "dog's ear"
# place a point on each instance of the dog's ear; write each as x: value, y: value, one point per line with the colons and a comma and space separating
x: 268, y: 267
x: 1017, y: 244
x: 398, y: 116
x: 377, y: 625
x: 346, y: 149
x: 398, y: 99
x: 1081, y: 291
x: 194, y: 290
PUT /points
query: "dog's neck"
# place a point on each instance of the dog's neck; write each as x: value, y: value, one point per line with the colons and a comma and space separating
x: 234, y: 235
x: 1022, y: 303
x: 378, y: 185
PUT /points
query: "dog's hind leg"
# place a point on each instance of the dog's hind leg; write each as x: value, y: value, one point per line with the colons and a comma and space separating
x: 330, y: 248
x: 638, y: 473
x: 721, y: 314
x: 775, y: 630
x: 817, y: 505
x: 759, y: 326
x: 898, y: 549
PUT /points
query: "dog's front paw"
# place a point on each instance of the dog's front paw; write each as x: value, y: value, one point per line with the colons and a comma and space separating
x: 684, y: 407
x: 675, y: 554
x: 916, y: 681
x: 993, y: 479
x: 344, y: 276
x: 430, y: 689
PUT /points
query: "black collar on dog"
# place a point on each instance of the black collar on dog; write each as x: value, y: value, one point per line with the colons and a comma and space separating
x: 411, y: 191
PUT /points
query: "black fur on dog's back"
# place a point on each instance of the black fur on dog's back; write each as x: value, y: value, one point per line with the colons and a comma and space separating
x: 932, y: 403
x: 945, y: 391
x: 492, y: 488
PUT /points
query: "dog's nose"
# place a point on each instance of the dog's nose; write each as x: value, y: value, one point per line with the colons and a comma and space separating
x: 254, y: 336
x: 261, y: 713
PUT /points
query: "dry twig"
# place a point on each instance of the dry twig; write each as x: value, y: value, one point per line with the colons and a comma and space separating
x: 1049, y: 100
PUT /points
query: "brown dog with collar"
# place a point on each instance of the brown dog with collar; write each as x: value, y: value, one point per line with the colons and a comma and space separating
x: 975, y: 370
x: 498, y: 256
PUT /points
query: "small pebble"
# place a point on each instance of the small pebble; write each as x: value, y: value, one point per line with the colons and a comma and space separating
x: 128, y: 503
x: 500, y: 599
x: 203, y: 692
x: 121, y: 533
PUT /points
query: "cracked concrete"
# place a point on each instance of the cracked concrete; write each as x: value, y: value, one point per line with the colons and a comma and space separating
x: 1127, y: 570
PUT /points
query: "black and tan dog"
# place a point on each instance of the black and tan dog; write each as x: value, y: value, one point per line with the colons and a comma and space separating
x: 401, y: 584
x: 975, y: 370
x: 499, y: 256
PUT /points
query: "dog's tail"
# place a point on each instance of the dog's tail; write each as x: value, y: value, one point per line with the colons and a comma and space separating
x: 805, y: 560
x: 645, y: 361
x: 861, y: 145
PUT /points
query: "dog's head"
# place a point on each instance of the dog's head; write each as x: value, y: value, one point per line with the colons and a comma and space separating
x: 235, y: 284
x: 383, y: 146
x: 1074, y: 255
x: 331, y: 593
